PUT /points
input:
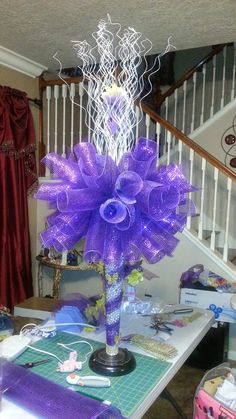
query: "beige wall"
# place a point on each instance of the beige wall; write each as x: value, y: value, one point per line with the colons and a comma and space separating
x: 16, y: 80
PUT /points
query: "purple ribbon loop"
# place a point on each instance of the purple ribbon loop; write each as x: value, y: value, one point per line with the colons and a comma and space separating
x: 127, y: 186
x: 104, y: 175
x: 86, y: 155
x: 143, y: 159
x: 79, y: 200
x: 63, y: 169
x: 112, y: 246
x: 95, y: 238
x: 128, y: 220
x: 49, y: 191
x: 113, y: 211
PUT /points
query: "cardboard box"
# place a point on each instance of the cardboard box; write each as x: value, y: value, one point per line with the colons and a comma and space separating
x: 35, y: 307
x: 217, y: 302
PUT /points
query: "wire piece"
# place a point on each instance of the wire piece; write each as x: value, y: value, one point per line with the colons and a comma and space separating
x: 67, y: 346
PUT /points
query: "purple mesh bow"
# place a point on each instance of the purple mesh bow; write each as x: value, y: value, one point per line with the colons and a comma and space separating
x: 124, y: 212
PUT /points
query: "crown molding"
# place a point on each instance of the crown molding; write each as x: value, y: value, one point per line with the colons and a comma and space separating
x: 20, y: 63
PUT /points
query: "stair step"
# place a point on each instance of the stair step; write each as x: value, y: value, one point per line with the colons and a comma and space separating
x: 231, y: 254
x: 206, y: 234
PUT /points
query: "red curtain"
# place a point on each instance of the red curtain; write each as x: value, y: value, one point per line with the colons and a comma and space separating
x: 17, y: 177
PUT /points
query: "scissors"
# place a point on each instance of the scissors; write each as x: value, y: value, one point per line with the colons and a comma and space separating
x: 177, y: 311
x: 34, y: 364
x: 161, y: 326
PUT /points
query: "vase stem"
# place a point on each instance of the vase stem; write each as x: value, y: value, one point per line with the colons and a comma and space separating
x: 113, y: 299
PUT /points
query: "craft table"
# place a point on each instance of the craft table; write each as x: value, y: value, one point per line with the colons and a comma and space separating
x: 184, y: 339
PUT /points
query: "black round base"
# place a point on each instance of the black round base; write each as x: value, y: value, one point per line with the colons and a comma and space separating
x: 114, y: 365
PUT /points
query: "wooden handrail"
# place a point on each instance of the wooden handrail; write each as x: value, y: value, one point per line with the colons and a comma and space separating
x: 161, y: 98
x: 190, y: 143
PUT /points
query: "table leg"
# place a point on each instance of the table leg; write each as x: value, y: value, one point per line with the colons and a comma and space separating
x: 168, y: 396
x: 56, y: 283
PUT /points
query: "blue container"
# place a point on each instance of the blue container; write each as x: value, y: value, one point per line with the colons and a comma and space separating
x: 6, y: 326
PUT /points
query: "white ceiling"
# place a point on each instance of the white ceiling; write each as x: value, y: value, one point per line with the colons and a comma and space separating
x: 37, y: 29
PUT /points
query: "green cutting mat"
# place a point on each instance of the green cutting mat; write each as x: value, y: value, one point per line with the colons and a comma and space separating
x: 126, y: 392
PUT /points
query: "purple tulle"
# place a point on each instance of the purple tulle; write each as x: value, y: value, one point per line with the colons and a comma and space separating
x: 123, y: 212
x: 49, y: 400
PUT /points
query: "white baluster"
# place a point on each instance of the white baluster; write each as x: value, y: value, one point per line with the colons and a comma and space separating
x: 180, y: 149
x: 48, y: 101
x: 168, y: 146
x: 184, y: 105
x: 213, y: 234
x: 213, y: 85
x: 72, y: 97
x: 166, y: 107
x: 226, y: 241
x: 166, y: 117
x: 158, y: 133
x: 64, y: 96
x: 191, y: 159
x: 89, y: 107
x: 81, y: 93
x: 147, y: 123
x: 64, y: 257
x: 223, y: 78
x: 203, y: 93
x: 194, y: 101
x: 200, y: 225
x: 175, y: 108
x: 137, y: 113
x: 233, y: 74
x: 56, y: 97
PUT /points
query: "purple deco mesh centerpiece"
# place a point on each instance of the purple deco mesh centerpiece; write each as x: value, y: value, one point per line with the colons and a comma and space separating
x: 110, y: 191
